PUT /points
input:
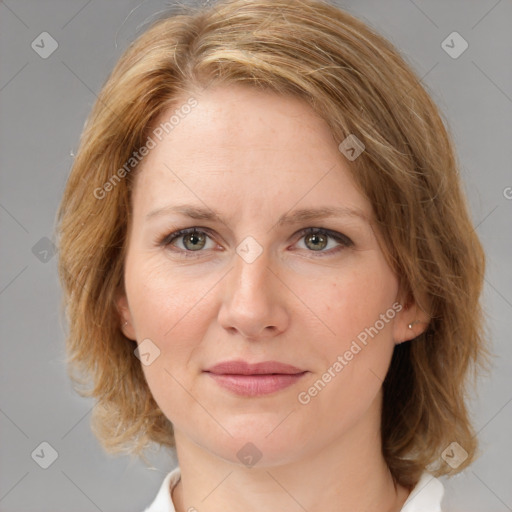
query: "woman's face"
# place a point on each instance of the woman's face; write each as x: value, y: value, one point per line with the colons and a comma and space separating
x: 254, y: 286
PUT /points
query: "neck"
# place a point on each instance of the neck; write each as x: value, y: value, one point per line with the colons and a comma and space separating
x: 346, y: 474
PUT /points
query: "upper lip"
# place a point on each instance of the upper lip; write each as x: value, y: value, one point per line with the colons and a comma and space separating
x: 240, y: 367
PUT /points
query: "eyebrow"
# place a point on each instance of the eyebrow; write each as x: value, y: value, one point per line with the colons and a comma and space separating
x: 295, y: 217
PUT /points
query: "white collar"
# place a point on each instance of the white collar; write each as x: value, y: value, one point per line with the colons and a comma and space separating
x: 163, y: 501
x: 425, y: 497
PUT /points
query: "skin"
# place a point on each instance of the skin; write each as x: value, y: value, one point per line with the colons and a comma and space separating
x: 253, y: 156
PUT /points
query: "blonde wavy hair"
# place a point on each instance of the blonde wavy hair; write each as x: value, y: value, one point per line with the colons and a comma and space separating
x: 357, y: 81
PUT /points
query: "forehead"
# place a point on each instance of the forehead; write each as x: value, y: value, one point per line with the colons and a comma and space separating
x: 245, y: 147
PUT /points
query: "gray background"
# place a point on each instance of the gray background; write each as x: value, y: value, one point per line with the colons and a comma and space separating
x: 44, y: 103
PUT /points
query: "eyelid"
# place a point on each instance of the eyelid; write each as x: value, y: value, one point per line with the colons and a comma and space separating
x: 178, y: 233
x: 340, y: 238
x: 336, y: 235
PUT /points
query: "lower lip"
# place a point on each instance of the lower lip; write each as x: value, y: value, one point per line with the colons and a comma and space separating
x: 255, y: 385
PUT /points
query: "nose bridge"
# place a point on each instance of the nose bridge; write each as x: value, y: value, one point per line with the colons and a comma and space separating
x: 251, y: 262
x: 251, y: 279
x: 252, y: 302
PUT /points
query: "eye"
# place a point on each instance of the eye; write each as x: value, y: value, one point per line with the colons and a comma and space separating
x: 195, y: 239
x: 317, y: 239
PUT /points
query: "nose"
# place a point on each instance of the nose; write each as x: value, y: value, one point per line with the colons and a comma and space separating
x: 253, y: 303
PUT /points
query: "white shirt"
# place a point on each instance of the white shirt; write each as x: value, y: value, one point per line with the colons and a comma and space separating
x: 425, y: 497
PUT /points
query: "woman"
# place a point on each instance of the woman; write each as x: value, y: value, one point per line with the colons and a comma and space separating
x: 269, y: 264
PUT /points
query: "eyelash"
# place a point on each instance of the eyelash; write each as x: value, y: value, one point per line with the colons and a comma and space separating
x: 345, y: 242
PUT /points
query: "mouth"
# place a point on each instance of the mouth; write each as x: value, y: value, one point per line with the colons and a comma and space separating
x: 246, y: 379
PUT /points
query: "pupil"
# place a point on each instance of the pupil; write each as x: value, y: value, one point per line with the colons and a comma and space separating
x: 193, y: 238
x: 318, y: 241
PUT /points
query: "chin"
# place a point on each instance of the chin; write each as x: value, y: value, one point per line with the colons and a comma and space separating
x: 256, y: 442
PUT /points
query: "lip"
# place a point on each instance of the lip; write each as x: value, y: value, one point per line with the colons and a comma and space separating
x: 256, y: 379
x: 241, y: 367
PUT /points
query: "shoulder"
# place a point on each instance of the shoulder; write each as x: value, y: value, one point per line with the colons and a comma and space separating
x: 426, y: 495
x: 163, y: 501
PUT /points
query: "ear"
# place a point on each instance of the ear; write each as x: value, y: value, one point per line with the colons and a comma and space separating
x: 125, y: 317
x: 412, y: 320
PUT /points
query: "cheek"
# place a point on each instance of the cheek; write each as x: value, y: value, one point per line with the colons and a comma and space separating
x: 353, y: 302
x: 357, y: 313
x: 171, y: 310
x: 168, y: 311
x: 354, y: 360
x: 164, y: 304
x: 355, y: 347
